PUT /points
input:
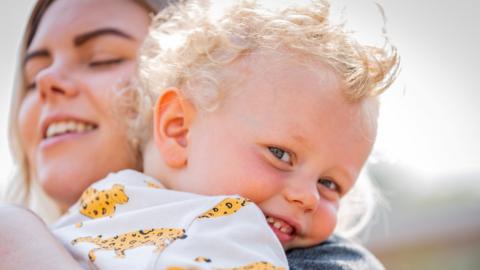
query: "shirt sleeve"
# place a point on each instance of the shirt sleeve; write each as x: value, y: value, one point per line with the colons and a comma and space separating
x: 336, y: 253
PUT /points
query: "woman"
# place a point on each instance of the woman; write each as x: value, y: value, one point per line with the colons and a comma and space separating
x: 73, y: 58
x: 73, y: 55
x: 62, y: 106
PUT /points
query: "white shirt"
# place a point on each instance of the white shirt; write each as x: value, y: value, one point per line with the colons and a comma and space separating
x: 129, y: 221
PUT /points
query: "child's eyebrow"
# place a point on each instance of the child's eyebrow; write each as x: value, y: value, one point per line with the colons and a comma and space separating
x: 298, y: 137
x: 346, y: 180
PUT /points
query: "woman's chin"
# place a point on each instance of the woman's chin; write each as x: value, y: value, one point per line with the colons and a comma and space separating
x: 63, y: 185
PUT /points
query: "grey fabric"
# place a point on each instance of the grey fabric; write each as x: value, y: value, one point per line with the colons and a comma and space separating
x: 336, y: 253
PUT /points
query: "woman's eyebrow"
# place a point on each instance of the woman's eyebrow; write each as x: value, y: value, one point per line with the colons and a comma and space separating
x: 38, y: 53
x: 85, y: 37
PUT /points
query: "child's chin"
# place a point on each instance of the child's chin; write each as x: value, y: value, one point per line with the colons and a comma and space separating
x: 295, y: 244
x: 290, y: 246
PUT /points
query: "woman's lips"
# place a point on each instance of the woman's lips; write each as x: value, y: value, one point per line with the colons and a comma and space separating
x: 63, y: 128
x: 60, y: 124
x: 64, y: 137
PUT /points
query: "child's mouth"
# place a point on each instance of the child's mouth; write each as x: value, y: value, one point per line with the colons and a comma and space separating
x: 284, y: 231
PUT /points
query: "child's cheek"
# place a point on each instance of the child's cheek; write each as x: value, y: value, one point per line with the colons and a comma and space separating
x: 325, y: 219
x: 261, y: 180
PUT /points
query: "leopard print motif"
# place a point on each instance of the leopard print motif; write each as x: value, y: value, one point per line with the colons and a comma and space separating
x: 101, y: 203
x: 251, y: 266
x: 255, y: 266
x: 153, y: 185
x: 203, y: 259
x: 224, y: 208
x: 161, y: 238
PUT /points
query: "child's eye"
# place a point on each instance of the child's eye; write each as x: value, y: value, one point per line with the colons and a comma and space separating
x: 106, y: 62
x: 329, y: 184
x: 280, y: 154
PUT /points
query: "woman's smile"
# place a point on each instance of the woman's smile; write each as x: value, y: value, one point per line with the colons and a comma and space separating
x: 62, y: 128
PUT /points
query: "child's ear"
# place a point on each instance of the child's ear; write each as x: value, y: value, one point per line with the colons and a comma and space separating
x: 172, y: 117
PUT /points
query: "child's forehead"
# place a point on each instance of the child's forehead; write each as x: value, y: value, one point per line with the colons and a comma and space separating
x: 277, y: 85
x: 281, y: 58
x: 281, y: 69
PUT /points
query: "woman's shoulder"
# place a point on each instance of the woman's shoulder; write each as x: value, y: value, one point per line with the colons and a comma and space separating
x: 337, y: 253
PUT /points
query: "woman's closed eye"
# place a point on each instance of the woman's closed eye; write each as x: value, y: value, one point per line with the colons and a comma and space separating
x: 31, y: 86
x: 32, y: 68
x: 281, y: 154
x: 106, y: 62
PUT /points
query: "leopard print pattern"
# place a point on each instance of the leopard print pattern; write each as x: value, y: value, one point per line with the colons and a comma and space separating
x: 251, y: 266
x: 160, y: 237
x: 226, y: 207
x: 153, y: 185
x: 101, y: 203
x: 255, y: 266
x: 203, y: 259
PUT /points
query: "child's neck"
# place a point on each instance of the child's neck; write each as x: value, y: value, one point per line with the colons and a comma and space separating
x: 153, y: 164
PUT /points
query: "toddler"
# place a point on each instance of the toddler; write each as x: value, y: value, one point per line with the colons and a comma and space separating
x: 262, y: 120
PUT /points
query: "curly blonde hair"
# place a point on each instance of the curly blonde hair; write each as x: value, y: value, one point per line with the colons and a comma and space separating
x: 189, y: 45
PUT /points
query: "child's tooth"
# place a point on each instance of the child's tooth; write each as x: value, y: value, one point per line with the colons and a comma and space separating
x: 284, y: 230
x: 270, y: 220
x: 277, y: 225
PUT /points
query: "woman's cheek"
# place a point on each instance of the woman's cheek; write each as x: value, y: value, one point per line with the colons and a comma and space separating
x: 27, y: 122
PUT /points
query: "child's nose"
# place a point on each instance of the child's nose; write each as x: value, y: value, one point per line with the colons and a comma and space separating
x: 305, y: 196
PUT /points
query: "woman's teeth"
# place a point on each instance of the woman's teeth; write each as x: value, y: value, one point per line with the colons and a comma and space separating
x: 59, y: 128
x: 280, y: 225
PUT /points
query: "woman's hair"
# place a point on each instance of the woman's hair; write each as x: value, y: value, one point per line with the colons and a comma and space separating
x: 189, y: 46
x: 21, y: 189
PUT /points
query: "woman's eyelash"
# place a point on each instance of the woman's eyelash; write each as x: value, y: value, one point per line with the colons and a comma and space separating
x: 31, y: 86
x: 281, y: 154
x: 106, y: 62
x: 91, y: 64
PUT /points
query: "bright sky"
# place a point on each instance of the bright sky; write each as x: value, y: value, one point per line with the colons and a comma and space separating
x: 430, y: 119
x: 435, y: 124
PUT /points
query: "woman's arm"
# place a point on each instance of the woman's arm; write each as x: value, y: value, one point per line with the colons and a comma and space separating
x: 334, y: 254
x: 26, y: 242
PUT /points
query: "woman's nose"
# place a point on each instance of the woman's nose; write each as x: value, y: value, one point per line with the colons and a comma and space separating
x: 303, y: 195
x: 53, y: 82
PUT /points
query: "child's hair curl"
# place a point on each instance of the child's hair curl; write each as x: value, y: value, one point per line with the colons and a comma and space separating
x: 188, y: 47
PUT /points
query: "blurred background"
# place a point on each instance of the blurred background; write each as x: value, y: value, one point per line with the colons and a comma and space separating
x: 427, y: 158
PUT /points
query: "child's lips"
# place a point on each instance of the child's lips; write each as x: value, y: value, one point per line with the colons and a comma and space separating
x: 284, y: 230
